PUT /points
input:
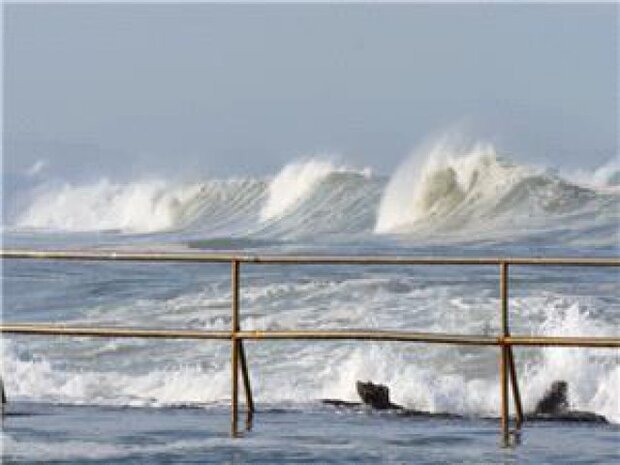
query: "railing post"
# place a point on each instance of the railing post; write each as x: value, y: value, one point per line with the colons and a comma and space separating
x: 235, y: 347
x: 238, y: 358
x: 247, y: 388
x: 514, y: 383
x: 503, y: 370
x: 515, y: 389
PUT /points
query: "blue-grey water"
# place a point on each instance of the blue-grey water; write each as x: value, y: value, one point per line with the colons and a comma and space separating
x: 84, y: 400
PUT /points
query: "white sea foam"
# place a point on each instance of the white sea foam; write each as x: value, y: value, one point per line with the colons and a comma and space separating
x: 445, y: 189
x: 438, y: 379
x: 592, y: 375
x: 77, y: 451
x: 141, y: 207
x: 451, y: 188
x: 295, y: 181
x: 450, y: 177
x: 225, y: 207
x: 606, y: 176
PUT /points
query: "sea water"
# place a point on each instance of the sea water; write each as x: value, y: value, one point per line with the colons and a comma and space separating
x: 79, y: 400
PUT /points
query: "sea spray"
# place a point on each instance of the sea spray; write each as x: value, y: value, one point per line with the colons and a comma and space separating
x: 444, y: 194
x: 449, y: 178
x: 605, y: 177
x: 297, y: 180
x: 435, y: 378
x: 457, y: 190
x: 140, y: 207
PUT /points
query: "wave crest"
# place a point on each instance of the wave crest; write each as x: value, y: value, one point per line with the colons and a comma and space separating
x: 460, y: 188
x: 449, y: 177
x: 446, y: 193
x: 294, y: 182
x: 138, y: 207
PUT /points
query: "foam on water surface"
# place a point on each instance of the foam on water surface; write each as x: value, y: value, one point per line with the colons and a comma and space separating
x: 448, y: 200
x: 434, y: 378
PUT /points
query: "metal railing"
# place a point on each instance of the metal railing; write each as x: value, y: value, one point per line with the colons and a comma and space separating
x: 505, y: 340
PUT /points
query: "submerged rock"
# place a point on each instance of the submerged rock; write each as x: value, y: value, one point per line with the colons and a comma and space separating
x: 553, y: 406
x: 555, y: 400
x: 576, y: 416
x: 376, y: 395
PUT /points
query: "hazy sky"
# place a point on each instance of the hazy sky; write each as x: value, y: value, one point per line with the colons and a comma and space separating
x: 233, y: 89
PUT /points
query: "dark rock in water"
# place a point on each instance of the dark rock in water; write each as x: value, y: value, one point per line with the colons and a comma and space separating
x: 555, y: 400
x: 568, y: 416
x: 375, y: 395
x: 341, y: 403
x: 554, y: 406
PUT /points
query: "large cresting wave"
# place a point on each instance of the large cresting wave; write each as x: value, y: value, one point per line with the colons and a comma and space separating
x: 144, y: 206
x: 442, y: 188
x: 449, y: 187
x: 306, y: 197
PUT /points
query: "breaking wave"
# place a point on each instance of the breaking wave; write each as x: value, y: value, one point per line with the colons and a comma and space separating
x: 443, y: 189
x: 607, y: 176
x: 314, y: 194
x: 141, y: 207
x: 457, y: 187
x: 437, y: 379
x: 294, y: 183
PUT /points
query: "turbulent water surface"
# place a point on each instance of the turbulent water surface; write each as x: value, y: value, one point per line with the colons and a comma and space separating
x: 448, y: 202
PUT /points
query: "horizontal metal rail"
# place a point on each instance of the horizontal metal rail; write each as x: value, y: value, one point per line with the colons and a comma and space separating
x: 111, y: 332
x: 329, y: 335
x: 563, y: 341
x: 198, y: 257
x: 236, y: 335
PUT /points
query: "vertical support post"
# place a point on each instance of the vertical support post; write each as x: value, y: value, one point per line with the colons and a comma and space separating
x: 516, y: 395
x: 235, y: 346
x: 246, y: 378
x: 504, y: 419
x: 249, y: 402
x: 503, y: 291
x: 514, y: 383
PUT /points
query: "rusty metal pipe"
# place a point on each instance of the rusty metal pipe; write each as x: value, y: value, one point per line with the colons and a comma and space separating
x: 503, y: 381
x: 234, y: 347
x: 109, y: 332
x: 249, y: 401
x: 198, y: 257
x: 516, y: 394
x: 504, y: 325
x: 46, y: 329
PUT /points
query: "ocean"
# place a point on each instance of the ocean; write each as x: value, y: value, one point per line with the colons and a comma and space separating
x: 85, y: 400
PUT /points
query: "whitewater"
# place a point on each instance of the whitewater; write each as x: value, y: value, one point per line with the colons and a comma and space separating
x: 444, y: 200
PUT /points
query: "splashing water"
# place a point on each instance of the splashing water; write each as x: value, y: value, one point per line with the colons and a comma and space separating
x: 294, y: 182
x: 450, y: 177
x: 443, y: 192
x: 138, y: 207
